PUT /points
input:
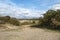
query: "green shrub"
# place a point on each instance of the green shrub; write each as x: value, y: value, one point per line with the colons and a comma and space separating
x: 8, y: 19
x: 14, y: 22
x: 50, y: 20
x: 33, y: 22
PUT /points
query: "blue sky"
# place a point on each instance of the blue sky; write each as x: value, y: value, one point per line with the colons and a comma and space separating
x: 27, y: 8
x: 38, y: 4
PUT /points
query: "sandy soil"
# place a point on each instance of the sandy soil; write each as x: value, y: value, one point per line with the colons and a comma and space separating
x: 28, y: 33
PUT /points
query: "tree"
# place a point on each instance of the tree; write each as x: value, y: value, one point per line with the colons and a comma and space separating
x: 48, y: 16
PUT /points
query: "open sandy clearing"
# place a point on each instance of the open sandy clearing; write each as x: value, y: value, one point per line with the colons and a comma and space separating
x: 28, y: 33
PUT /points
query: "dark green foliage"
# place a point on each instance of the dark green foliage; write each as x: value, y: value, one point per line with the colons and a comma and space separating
x: 51, y: 20
x: 8, y: 19
x: 5, y: 19
x: 33, y: 22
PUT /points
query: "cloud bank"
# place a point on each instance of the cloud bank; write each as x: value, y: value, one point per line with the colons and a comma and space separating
x: 55, y: 6
x: 11, y: 9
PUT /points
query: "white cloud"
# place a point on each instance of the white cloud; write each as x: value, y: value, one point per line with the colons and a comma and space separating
x: 55, y: 6
x: 9, y: 8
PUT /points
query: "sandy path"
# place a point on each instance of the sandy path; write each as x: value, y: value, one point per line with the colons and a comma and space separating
x: 29, y: 34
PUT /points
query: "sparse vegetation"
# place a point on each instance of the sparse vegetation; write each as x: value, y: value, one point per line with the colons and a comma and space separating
x: 14, y: 22
x: 10, y: 20
x: 50, y: 20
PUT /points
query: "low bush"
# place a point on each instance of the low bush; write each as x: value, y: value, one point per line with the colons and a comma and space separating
x: 14, y: 22
x: 8, y: 19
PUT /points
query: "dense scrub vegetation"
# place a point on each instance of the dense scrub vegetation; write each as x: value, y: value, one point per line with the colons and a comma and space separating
x: 51, y: 20
x: 8, y: 19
